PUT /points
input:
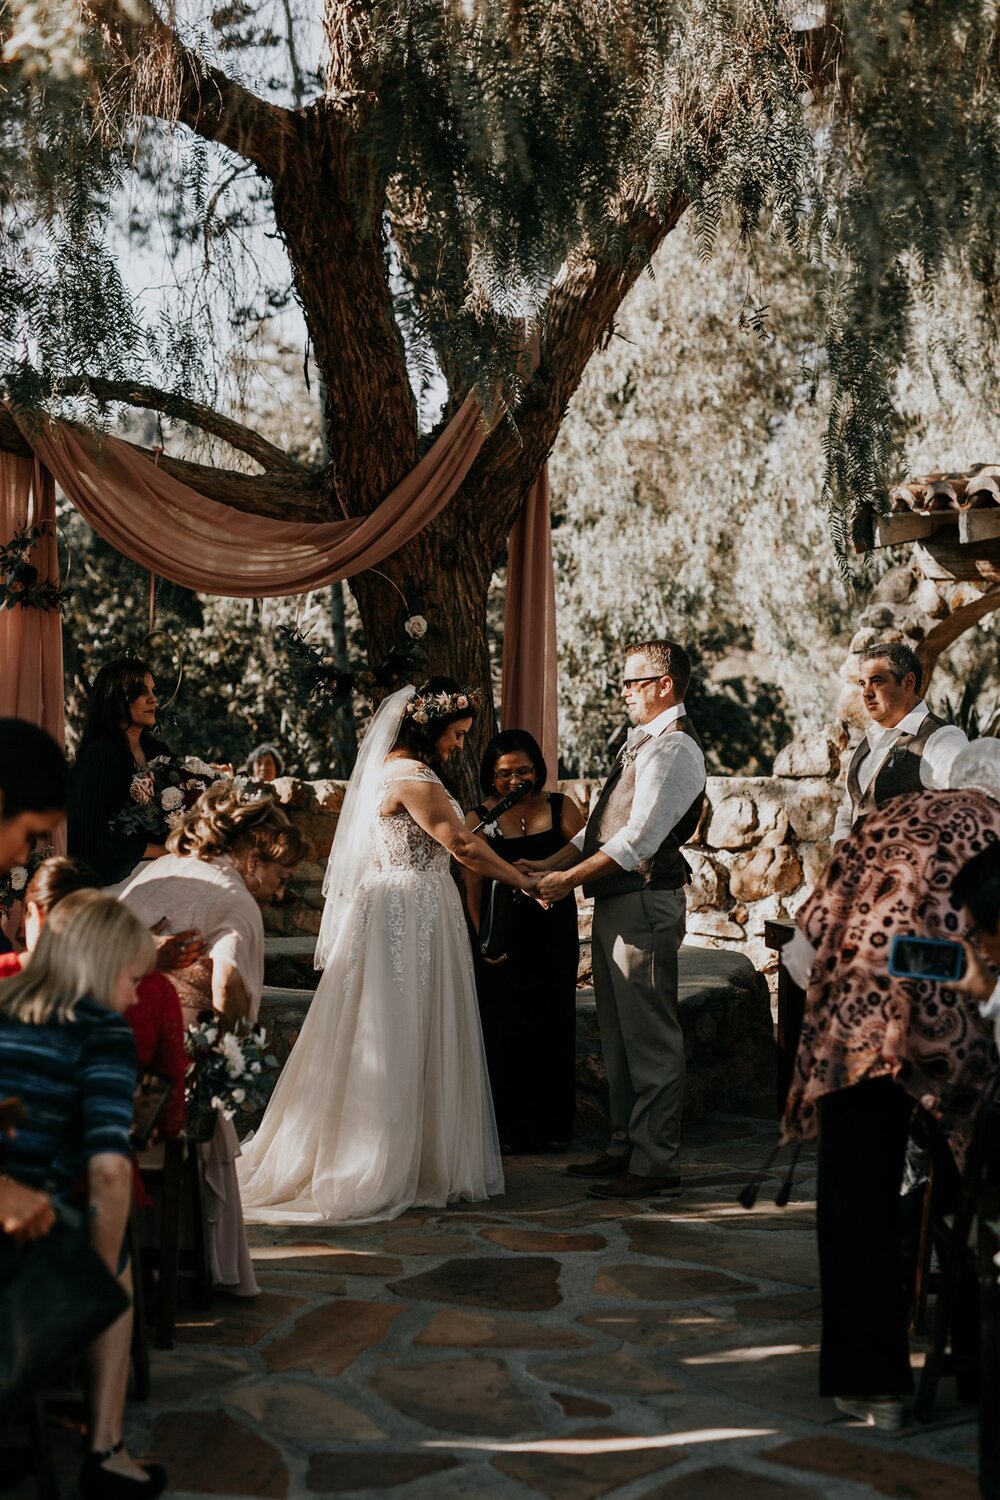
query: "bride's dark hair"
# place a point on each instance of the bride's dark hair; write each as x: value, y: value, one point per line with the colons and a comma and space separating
x: 421, y: 740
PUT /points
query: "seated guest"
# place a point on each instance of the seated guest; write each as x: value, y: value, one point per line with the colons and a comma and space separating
x: 874, y: 1048
x: 265, y: 763
x: 527, y: 983
x: 155, y: 1018
x: 228, y: 858
x: 67, y: 1052
x: 34, y: 793
x: 907, y: 748
x: 117, y: 741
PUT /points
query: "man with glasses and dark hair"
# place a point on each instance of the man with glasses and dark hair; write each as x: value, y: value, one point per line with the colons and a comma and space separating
x: 629, y: 859
x: 907, y: 748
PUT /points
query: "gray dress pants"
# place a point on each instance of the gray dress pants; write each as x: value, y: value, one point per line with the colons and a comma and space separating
x: 634, y: 945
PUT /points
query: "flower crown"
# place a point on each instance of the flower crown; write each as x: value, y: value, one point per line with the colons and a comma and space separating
x: 423, y: 707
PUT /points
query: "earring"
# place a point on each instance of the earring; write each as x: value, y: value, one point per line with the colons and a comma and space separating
x: 252, y: 874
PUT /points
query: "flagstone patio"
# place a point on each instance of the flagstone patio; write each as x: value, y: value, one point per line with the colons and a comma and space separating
x: 543, y: 1344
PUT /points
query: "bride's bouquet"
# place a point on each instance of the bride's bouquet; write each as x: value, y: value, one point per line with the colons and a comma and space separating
x: 160, y: 795
x: 224, y: 1073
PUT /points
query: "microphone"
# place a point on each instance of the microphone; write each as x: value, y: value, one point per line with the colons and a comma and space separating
x: 522, y: 790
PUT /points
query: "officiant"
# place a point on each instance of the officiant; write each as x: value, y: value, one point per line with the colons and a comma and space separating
x: 628, y: 857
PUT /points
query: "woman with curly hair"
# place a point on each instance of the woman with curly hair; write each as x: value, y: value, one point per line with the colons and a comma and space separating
x: 385, y: 1103
x: 228, y: 857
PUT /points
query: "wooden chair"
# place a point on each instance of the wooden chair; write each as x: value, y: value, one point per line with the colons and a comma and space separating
x: 172, y: 1173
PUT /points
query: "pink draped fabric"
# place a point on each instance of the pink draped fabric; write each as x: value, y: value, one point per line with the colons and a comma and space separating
x: 529, y: 692
x: 31, y: 658
x: 181, y: 535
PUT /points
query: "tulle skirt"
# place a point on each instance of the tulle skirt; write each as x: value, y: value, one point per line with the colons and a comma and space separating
x: 384, y: 1103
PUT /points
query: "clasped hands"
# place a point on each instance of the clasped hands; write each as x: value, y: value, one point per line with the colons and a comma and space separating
x: 550, y: 886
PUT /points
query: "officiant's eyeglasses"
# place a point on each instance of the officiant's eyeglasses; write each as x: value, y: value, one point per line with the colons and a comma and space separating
x: 520, y: 773
x: 629, y: 682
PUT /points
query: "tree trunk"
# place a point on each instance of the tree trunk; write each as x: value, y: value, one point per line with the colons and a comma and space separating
x: 444, y: 575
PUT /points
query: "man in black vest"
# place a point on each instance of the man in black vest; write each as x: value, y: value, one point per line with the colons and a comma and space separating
x: 629, y: 859
x: 907, y: 748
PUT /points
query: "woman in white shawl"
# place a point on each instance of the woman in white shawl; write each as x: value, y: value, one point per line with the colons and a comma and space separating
x: 229, y: 857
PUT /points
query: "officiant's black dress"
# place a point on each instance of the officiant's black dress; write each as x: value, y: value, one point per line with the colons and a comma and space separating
x: 528, y: 1006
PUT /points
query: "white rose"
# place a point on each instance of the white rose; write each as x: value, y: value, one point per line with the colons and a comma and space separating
x: 420, y: 717
x: 18, y: 878
x: 199, y: 767
x: 233, y: 1053
x: 171, y: 797
x: 416, y: 627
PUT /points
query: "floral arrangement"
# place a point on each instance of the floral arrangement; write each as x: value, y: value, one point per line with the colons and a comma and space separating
x: 15, y: 882
x: 20, y: 585
x: 168, y: 788
x: 423, y: 707
x: 224, y: 1070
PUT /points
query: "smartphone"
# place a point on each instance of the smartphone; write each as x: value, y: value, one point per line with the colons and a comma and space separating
x: 938, y: 959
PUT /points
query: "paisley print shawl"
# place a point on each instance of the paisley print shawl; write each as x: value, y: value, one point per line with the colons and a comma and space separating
x: 893, y: 875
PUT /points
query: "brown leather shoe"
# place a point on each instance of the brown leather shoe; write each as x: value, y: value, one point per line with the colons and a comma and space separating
x: 601, y: 1166
x: 631, y: 1186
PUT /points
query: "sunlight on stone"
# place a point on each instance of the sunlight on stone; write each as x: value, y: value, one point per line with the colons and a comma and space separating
x: 614, y: 1444
x: 750, y: 1356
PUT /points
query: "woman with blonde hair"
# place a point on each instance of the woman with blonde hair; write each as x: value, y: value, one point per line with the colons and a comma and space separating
x: 67, y: 1052
x: 231, y: 855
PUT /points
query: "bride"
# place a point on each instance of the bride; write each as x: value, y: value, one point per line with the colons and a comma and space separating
x: 384, y: 1103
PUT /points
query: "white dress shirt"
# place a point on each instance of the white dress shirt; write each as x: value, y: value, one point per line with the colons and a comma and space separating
x: 669, y: 775
x: 935, y: 764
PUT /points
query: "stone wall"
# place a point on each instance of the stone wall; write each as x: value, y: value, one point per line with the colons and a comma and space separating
x: 761, y: 846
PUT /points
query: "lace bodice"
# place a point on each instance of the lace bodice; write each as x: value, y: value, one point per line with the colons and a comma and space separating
x: 399, y: 842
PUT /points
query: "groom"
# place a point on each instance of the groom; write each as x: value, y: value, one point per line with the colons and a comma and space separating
x: 629, y: 859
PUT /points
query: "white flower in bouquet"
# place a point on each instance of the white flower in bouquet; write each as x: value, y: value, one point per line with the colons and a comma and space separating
x: 238, y: 1095
x: 233, y: 1053
x: 416, y: 627
x: 174, y: 819
x: 255, y: 1067
x: 171, y: 798
x: 141, y: 790
x: 18, y: 878
x: 199, y: 767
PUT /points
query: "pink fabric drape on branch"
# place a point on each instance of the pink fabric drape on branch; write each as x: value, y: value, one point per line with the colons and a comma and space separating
x: 179, y: 534
x: 31, y: 657
x: 529, y: 693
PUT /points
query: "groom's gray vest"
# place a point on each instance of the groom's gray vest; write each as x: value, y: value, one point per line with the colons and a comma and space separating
x: 667, y: 869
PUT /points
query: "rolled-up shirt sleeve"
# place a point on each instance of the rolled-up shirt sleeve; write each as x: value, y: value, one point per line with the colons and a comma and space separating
x: 107, y: 1087
x: 939, y: 753
x: 669, y: 775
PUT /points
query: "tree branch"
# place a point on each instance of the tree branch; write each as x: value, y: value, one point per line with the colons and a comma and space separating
x: 197, y: 94
x: 270, y: 457
x: 282, y: 496
x: 578, y: 318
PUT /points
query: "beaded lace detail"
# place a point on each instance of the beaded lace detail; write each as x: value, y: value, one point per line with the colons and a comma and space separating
x: 400, y: 847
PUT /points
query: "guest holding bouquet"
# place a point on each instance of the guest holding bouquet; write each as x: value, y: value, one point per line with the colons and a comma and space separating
x: 116, y: 747
x: 231, y: 855
x: 528, y: 954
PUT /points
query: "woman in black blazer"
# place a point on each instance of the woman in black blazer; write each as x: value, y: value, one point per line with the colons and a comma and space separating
x: 117, y: 742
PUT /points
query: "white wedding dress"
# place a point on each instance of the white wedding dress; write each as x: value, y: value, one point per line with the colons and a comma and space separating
x: 384, y: 1103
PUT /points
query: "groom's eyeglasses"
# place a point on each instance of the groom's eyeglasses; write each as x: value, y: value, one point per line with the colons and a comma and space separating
x: 630, y: 682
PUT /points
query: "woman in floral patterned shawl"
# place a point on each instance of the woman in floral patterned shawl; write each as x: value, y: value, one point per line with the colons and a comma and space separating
x: 871, y: 1046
